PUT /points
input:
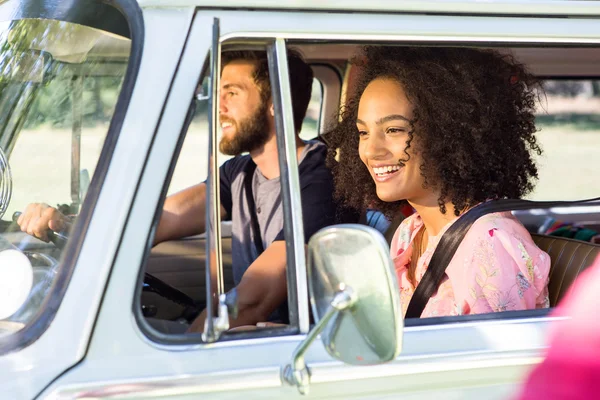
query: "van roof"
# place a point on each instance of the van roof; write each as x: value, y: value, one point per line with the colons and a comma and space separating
x: 470, y: 7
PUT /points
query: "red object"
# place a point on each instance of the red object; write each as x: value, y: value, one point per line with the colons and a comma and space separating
x: 571, y: 369
x: 407, y: 210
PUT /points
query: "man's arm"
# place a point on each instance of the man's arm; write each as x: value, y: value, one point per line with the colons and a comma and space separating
x: 262, y: 289
x: 184, y: 214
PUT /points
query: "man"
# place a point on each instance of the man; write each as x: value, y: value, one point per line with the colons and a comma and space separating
x: 248, y: 124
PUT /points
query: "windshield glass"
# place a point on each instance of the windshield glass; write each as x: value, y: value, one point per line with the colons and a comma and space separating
x: 59, y: 84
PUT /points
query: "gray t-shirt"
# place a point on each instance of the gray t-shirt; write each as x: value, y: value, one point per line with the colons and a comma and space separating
x: 316, y: 183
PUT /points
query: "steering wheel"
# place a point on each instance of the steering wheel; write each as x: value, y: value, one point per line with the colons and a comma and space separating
x: 151, y: 282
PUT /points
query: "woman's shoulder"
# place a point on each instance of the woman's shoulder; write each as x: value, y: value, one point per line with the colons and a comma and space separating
x: 498, y: 266
x: 502, y: 222
x: 503, y: 232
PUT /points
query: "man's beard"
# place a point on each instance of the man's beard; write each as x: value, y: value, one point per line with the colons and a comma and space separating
x: 250, y: 133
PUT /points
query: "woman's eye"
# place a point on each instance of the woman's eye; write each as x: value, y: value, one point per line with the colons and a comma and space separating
x: 395, y: 130
x: 362, y: 133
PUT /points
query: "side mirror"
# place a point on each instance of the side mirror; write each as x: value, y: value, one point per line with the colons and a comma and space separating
x: 355, y: 300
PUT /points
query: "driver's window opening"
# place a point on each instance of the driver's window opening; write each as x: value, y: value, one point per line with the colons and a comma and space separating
x: 173, y: 300
x: 566, y: 113
x: 57, y: 99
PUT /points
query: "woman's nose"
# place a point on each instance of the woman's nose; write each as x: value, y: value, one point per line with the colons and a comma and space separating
x: 375, y: 146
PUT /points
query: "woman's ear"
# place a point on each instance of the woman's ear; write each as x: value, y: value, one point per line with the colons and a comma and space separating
x: 272, y: 110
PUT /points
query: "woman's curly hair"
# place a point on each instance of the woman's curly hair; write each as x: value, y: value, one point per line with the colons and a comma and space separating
x: 473, y: 116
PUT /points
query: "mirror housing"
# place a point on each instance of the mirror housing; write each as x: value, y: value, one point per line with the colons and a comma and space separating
x: 355, y: 300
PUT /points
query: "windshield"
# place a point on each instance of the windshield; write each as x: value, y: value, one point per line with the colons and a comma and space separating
x: 59, y: 84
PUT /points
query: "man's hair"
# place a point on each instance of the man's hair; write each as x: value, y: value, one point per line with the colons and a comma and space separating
x: 301, y: 78
x: 473, y: 117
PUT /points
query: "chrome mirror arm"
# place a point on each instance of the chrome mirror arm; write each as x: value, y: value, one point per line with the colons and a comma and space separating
x: 228, y: 307
x: 297, y: 373
x: 218, y: 324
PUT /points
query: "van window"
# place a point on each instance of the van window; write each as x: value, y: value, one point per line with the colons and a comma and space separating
x: 310, y: 125
x: 57, y: 102
x: 192, y: 165
x: 569, y: 134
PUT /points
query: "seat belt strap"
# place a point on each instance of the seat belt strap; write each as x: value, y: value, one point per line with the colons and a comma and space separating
x: 249, y: 171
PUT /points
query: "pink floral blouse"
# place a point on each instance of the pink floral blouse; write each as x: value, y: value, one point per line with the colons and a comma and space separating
x: 497, y: 267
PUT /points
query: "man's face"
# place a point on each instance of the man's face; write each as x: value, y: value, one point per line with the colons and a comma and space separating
x: 244, y: 117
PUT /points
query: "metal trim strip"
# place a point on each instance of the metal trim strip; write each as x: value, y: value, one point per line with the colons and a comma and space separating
x: 290, y: 184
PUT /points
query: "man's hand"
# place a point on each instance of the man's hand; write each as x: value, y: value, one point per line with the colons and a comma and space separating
x: 262, y: 289
x: 39, y: 217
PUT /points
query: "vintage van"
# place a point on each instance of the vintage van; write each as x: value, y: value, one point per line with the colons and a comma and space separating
x: 107, y: 107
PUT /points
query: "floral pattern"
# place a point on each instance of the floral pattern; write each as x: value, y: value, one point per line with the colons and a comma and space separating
x: 497, y: 267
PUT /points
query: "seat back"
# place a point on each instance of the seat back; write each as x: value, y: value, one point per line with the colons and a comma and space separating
x: 568, y: 258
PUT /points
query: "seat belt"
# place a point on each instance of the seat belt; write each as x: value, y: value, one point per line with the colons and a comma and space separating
x: 249, y: 170
x: 453, y: 237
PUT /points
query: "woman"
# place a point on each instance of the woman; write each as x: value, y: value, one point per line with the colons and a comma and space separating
x: 445, y: 129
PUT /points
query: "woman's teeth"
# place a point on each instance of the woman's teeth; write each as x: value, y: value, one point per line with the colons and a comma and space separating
x: 386, y: 170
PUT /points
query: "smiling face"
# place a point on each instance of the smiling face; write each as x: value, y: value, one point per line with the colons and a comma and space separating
x: 383, y: 121
x: 245, y: 118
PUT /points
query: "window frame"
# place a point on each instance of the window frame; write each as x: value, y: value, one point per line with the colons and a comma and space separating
x: 296, y: 280
x: 292, y: 38
x: 290, y: 185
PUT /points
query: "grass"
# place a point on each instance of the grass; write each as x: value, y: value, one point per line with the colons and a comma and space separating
x: 570, y: 122
x: 568, y: 169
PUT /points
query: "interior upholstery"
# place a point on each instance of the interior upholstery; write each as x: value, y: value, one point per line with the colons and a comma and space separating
x: 569, y: 257
x: 181, y: 264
